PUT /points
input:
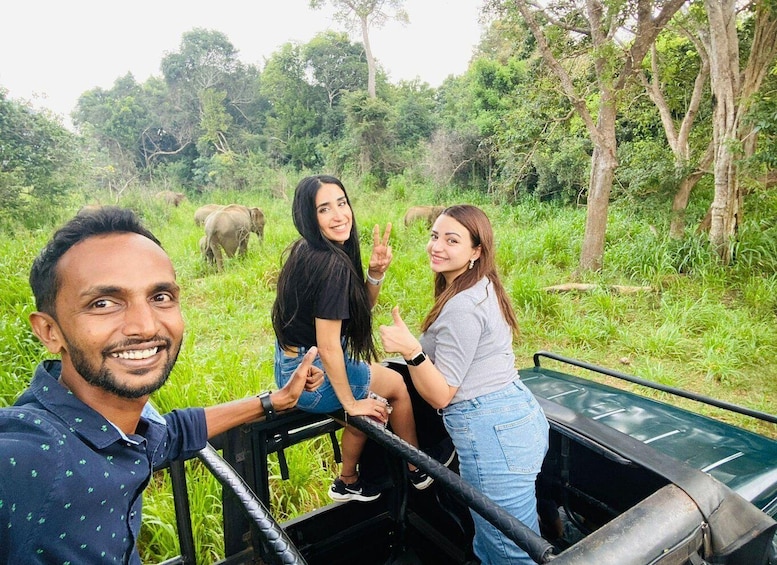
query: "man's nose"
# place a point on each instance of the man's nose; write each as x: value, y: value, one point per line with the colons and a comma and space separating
x: 140, y: 319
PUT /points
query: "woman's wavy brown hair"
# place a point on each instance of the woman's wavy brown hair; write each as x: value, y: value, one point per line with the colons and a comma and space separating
x: 481, y: 234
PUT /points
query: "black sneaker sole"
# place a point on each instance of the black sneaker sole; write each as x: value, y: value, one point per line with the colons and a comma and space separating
x: 450, y: 458
x: 357, y: 497
x: 338, y: 497
x: 425, y: 484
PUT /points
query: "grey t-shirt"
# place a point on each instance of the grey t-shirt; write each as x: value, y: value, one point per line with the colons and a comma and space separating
x: 470, y: 343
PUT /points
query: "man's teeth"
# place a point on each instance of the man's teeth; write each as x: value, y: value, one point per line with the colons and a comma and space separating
x: 136, y: 353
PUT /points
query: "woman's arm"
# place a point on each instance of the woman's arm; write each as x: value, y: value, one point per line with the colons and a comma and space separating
x: 430, y: 383
x: 331, y: 352
x: 332, y: 357
x: 380, y: 259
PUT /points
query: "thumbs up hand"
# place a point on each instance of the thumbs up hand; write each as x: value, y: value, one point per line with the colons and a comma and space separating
x: 397, y: 337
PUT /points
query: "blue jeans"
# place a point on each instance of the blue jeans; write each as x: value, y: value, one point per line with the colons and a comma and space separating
x: 323, y: 400
x: 501, y: 439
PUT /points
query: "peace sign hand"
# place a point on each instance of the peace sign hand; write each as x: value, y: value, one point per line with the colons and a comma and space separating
x: 381, y: 256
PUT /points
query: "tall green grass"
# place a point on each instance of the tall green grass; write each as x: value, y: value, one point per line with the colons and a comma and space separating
x: 702, y: 327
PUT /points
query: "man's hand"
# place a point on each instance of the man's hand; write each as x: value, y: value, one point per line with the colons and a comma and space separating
x: 380, y: 259
x: 306, y: 377
x: 222, y: 417
x: 398, y: 338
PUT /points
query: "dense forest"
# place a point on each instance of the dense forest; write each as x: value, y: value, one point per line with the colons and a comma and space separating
x: 668, y: 107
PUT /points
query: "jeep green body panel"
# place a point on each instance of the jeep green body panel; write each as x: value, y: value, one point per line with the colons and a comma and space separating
x: 744, y: 461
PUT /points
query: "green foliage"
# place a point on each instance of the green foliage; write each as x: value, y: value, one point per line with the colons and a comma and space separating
x: 530, y: 298
x: 504, y: 127
x: 763, y: 117
x: 367, y: 122
x: 336, y: 65
x: 215, y: 122
x: 38, y: 160
x: 116, y: 118
x: 159, y: 536
x: 20, y: 350
x: 679, y: 63
x: 647, y: 168
x: 298, y: 108
x: 557, y: 168
x: 414, y: 118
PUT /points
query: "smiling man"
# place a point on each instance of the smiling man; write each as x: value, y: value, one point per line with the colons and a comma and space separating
x: 80, y: 444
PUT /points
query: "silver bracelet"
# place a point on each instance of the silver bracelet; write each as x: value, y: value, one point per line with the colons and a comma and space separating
x: 375, y: 282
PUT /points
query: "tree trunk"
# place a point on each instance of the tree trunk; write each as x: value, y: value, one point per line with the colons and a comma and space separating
x: 371, y: 91
x: 724, y: 73
x: 603, y: 165
x: 725, y: 205
x: 762, y: 54
x: 732, y: 92
x: 683, y: 195
x: 679, y: 138
x: 680, y: 205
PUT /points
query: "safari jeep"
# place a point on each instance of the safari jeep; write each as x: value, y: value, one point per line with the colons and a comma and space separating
x: 627, y: 480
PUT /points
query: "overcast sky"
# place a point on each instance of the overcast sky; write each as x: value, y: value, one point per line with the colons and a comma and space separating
x: 52, y: 51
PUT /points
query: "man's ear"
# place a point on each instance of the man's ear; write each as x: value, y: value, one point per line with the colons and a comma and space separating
x: 47, y: 330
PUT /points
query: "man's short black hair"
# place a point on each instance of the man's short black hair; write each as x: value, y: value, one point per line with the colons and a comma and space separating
x: 44, y: 278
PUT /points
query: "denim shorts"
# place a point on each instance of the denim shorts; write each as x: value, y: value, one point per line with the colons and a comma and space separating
x: 501, y: 439
x: 323, y: 400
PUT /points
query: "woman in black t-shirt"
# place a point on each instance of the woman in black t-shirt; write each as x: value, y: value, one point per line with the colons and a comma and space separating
x: 324, y: 300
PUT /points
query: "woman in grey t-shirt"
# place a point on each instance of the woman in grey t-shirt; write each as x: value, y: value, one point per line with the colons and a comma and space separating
x: 463, y: 363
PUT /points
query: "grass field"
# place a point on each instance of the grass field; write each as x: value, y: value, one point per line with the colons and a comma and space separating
x: 698, y: 326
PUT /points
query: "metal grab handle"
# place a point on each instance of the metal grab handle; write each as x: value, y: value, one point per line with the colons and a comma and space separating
x: 284, y: 551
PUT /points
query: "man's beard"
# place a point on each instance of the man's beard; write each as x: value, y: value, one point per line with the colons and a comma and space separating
x: 103, y: 378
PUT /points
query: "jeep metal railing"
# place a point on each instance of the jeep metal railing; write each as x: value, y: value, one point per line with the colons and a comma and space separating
x: 272, y: 537
x: 657, y: 386
x: 540, y: 550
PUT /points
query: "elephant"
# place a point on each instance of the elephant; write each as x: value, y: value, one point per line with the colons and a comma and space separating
x: 229, y: 229
x: 207, y: 254
x: 88, y: 209
x: 202, y: 213
x: 428, y: 213
x: 171, y: 198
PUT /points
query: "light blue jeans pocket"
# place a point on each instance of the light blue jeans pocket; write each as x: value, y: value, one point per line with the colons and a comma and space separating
x: 524, y: 443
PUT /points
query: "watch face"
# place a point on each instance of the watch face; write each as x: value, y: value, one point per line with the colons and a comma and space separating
x: 418, y: 359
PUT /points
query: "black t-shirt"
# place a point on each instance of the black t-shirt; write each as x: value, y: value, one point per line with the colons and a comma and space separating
x: 311, y: 295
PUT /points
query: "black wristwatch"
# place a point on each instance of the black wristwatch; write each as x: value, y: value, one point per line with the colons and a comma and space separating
x: 416, y: 359
x: 269, y: 410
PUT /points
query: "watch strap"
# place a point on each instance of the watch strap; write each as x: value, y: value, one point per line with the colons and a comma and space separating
x: 416, y: 359
x: 269, y: 410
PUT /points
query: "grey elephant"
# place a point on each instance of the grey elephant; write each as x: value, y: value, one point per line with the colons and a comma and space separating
x: 229, y: 229
x: 426, y: 213
x: 201, y: 214
x: 88, y: 209
x: 207, y: 254
x: 171, y: 198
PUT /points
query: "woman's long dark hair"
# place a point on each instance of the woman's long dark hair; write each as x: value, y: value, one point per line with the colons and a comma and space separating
x: 311, y: 260
x: 479, y: 227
